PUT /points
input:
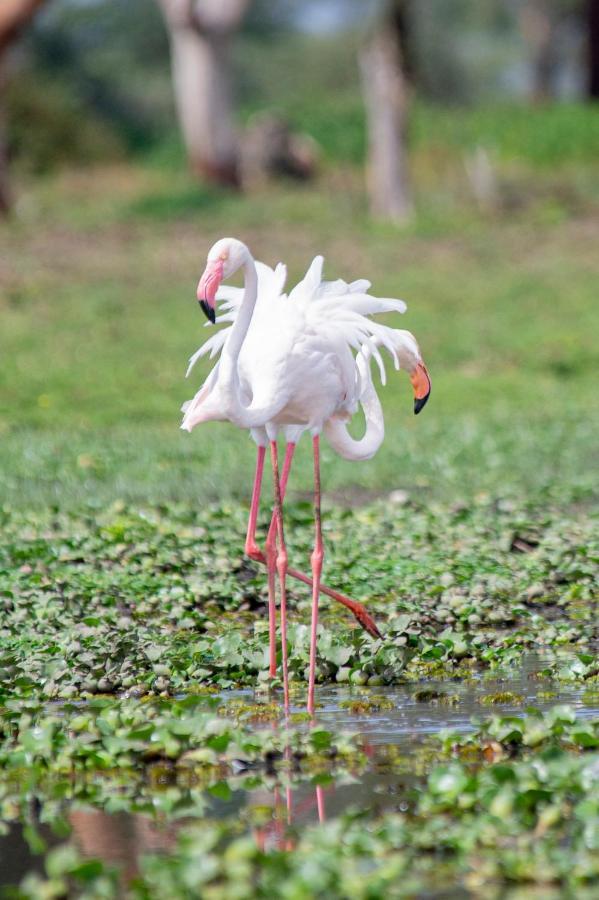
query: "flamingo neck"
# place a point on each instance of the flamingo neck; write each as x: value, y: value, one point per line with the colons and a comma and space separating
x: 229, y: 369
x: 245, y: 312
x: 336, y: 430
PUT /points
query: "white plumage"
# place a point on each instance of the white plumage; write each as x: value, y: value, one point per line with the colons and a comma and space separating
x: 311, y: 350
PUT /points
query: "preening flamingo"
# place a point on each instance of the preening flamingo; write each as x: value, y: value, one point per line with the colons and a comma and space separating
x: 287, y: 366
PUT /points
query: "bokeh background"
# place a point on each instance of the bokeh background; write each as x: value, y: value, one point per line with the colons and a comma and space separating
x: 486, y: 225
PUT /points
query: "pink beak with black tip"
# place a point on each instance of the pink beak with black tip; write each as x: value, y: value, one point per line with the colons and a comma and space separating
x: 208, y: 286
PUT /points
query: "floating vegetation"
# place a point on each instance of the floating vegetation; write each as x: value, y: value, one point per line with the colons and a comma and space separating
x: 501, y: 698
x: 124, y: 735
x: 121, y: 602
x: 514, y: 812
x: 251, y: 712
x: 559, y: 727
x: 363, y: 706
x: 436, y: 697
x: 119, y: 641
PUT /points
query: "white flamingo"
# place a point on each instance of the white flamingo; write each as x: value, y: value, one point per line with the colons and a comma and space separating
x: 286, y: 366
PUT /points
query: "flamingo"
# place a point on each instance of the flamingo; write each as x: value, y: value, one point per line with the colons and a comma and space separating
x: 286, y: 366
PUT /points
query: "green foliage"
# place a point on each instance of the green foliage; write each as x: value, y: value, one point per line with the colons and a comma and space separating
x: 550, y: 136
x: 518, y: 736
x: 137, y: 599
x: 125, y: 736
x: 105, y: 70
x: 478, y: 822
x: 54, y: 127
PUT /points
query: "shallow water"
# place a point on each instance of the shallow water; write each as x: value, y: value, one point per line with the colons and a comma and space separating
x: 121, y: 838
x: 411, y: 719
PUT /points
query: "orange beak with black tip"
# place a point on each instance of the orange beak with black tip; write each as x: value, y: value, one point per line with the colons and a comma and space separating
x: 421, y: 383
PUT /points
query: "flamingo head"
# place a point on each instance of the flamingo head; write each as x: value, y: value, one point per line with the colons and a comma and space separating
x: 224, y: 258
x: 421, y: 383
x: 408, y: 354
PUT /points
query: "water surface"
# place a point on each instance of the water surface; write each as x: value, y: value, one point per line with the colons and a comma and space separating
x: 270, y: 805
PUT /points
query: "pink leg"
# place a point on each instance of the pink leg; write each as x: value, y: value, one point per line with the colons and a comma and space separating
x: 289, y: 451
x: 288, y: 797
x: 251, y: 547
x: 275, y: 530
x: 254, y: 552
x: 281, y: 564
x: 320, y: 804
x: 277, y: 823
x: 271, y: 563
x: 316, y: 560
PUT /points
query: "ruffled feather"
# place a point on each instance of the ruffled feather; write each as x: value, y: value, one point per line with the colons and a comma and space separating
x: 337, y: 310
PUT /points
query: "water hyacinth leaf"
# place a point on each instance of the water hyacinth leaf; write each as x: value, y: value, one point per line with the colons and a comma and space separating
x: 448, y: 782
x: 61, y: 860
x: 218, y: 742
x: 338, y: 655
x: 34, y: 839
x: 585, y: 739
x: 221, y: 791
x: 321, y: 739
x: 96, y: 626
x: 87, y: 870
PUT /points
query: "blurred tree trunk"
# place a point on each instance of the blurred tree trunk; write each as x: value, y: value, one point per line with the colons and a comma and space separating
x: 385, y: 89
x: 200, y: 33
x: 14, y: 16
x: 539, y: 24
x: 593, y: 47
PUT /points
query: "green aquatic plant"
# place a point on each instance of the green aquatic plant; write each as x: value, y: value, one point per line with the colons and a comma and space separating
x: 501, y: 698
x: 110, y: 735
x: 366, y: 704
x: 436, y: 697
x: 559, y: 727
x: 479, y: 826
x: 125, y: 600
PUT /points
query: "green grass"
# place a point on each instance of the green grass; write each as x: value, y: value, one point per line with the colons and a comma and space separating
x: 97, y: 294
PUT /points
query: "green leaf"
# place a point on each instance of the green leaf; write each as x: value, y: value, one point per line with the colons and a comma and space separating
x: 321, y: 739
x: 218, y: 742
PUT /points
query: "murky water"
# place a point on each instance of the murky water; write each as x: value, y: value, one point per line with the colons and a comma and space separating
x: 122, y: 838
x: 411, y: 719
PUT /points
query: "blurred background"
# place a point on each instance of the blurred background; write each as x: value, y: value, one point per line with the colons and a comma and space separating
x: 448, y: 150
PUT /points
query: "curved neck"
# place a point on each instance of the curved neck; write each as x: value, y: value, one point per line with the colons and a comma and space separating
x: 243, y: 416
x: 336, y: 430
x: 229, y: 372
x: 244, y: 315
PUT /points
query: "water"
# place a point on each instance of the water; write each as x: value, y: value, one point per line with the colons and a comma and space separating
x: 411, y: 720
x: 258, y: 797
